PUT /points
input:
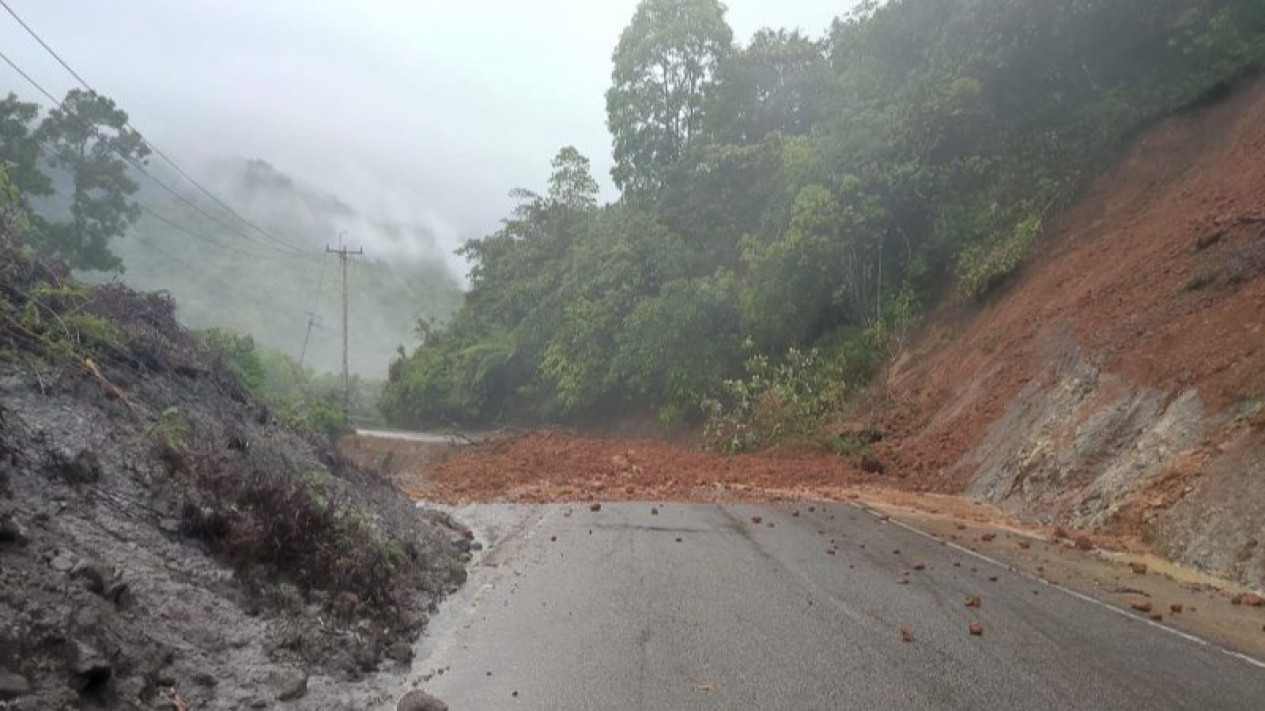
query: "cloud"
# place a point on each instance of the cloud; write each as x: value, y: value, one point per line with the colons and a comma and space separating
x: 423, y: 112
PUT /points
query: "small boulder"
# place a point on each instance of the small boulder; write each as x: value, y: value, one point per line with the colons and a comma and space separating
x: 63, y: 561
x: 92, y: 575
x: 12, y: 685
x: 401, y: 652
x: 81, y: 468
x: 417, y: 700
x: 90, y: 670
x: 288, y: 684
x: 1250, y: 599
x: 1138, y: 568
x: 11, y: 531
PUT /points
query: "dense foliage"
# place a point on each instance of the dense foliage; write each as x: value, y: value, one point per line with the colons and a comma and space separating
x: 794, y: 193
x: 297, y: 397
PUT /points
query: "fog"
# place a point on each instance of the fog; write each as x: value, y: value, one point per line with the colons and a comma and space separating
x: 420, y: 113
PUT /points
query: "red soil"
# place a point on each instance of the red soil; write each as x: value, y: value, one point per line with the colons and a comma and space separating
x: 1114, y: 282
x: 561, y: 466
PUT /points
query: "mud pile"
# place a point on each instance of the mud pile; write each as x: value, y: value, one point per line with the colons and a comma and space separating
x: 558, y: 465
x: 164, y: 543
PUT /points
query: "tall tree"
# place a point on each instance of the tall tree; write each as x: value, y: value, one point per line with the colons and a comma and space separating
x: 19, y: 149
x: 88, y: 138
x: 665, y: 65
x: 775, y: 83
x: 571, y: 185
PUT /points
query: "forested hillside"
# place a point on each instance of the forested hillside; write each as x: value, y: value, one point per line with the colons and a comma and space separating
x: 791, y: 205
x: 219, y: 281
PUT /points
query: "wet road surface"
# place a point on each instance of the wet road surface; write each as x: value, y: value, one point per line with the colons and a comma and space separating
x: 700, y: 608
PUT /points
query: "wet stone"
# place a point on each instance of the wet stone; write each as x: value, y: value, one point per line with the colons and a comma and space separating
x: 417, y: 700
x: 89, y: 668
x: 289, y: 684
x: 12, y: 685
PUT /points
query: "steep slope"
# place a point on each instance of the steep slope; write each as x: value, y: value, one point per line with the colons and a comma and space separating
x: 164, y: 542
x: 1118, y: 384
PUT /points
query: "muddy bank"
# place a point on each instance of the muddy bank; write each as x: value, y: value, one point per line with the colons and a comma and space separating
x: 164, y: 543
x: 1116, y: 384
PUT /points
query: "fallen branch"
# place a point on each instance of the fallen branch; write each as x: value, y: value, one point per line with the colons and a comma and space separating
x: 91, y: 366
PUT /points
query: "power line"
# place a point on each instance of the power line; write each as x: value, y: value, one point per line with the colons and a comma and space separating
x: 225, y: 288
x: 176, y: 226
x: 137, y: 166
x: 149, y: 144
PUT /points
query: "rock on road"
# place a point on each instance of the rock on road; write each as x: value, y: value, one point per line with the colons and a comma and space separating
x: 574, y: 609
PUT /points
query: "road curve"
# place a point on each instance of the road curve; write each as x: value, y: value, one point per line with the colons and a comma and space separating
x: 573, y: 609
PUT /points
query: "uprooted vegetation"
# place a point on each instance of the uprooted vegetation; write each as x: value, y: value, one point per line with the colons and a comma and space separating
x: 163, y: 538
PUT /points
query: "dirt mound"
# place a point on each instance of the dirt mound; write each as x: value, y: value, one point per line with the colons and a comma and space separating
x: 563, y: 466
x: 1117, y: 383
x: 164, y: 543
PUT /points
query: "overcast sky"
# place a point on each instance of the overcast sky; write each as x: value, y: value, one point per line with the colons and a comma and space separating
x: 423, y: 110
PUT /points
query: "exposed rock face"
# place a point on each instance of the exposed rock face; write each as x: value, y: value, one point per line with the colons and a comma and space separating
x: 1115, y: 385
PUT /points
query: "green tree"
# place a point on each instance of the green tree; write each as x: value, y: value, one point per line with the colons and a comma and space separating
x: 13, y: 215
x: 775, y: 83
x: 665, y: 65
x: 19, y: 149
x: 571, y: 185
x: 88, y: 138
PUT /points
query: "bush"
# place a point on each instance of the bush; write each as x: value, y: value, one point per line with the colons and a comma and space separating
x: 305, y: 528
x: 775, y: 401
x: 299, y: 399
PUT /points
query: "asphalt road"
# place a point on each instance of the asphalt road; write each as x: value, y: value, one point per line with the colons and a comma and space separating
x: 570, y: 609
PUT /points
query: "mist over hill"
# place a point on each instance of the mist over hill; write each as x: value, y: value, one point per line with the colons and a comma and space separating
x: 224, y: 272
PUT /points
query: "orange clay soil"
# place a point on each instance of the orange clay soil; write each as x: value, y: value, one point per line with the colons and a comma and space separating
x: 563, y: 466
x: 1157, y: 274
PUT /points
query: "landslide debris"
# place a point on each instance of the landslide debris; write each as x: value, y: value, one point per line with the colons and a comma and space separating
x: 164, y: 542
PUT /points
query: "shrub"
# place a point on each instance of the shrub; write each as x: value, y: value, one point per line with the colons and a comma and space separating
x: 774, y: 401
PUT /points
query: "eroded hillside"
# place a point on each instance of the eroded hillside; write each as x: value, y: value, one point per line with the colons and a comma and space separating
x: 165, y: 542
x: 1119, y: 384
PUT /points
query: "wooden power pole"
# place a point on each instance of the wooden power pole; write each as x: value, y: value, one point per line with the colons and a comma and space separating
x: 344, y: 256
x: 312, y: 320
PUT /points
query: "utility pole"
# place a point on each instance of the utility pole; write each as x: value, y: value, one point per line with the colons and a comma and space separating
x: 344, y: 256
x: 312, y: 320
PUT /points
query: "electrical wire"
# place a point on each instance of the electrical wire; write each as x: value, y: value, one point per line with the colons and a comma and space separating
x: 136, y: 165
x: 149, y: 144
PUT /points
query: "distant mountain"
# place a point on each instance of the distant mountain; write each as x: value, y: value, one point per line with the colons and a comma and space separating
x: 231, y: 275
